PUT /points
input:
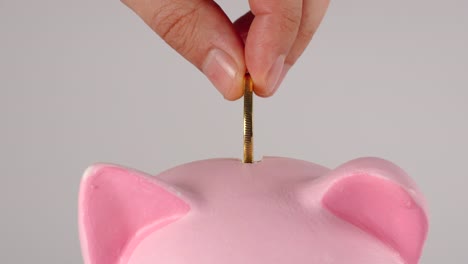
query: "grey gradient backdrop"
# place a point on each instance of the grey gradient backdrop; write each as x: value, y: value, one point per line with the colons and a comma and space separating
x: 86, y: 81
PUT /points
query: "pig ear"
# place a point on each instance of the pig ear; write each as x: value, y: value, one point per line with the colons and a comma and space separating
x: 118, y: 206
x: 379, y: 198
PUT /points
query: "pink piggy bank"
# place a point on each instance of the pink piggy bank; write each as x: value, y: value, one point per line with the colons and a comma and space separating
x: 276, y: 211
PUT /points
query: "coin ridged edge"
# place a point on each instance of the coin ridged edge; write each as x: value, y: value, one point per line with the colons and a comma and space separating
x: 248, y: 119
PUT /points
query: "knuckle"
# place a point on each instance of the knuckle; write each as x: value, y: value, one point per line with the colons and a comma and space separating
x: 290, y: 19
x: 176, y: 24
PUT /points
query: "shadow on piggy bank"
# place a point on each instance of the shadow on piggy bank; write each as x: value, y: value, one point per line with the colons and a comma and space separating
x: 277, y: 211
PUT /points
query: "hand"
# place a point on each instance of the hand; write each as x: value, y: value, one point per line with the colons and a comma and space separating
x: 275, y: 33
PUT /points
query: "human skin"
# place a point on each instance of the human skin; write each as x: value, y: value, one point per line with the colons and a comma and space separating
x: 266, y: 41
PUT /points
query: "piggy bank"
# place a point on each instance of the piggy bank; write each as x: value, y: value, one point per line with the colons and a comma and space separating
x: 275, y: 211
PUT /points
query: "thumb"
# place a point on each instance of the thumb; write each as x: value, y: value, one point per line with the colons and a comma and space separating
x: 201, y: 32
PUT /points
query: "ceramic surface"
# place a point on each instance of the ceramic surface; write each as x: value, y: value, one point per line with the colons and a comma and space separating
x: 279, y: 210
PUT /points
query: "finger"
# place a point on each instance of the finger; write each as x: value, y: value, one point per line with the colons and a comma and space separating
x: 201, y: 32
x: 271, y: 35
x: 313, y: 12
x: 242, y: 25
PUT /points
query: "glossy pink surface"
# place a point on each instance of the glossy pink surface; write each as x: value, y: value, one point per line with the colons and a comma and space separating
x: 279, y: 210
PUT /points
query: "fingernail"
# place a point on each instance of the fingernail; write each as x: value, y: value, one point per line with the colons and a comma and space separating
x: 274, y: 74
x: 285, y: 70
x: 221, y: 70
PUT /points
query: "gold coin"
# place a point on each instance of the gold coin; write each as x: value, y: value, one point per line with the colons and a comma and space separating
x: 248, y: 122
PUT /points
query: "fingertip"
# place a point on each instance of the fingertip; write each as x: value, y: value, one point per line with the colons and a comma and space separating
x: 265, y: 64
x: 236, y: 91
x: 260, y: 89
x: 262, y: 92
x: 224, y: 73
